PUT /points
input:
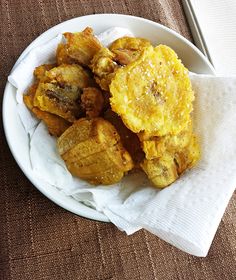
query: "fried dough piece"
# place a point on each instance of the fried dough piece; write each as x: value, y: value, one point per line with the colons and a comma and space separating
x: 164, y: 170
x: 55, y: 124
x: 82, y: 46
x: 62, y: 56
x: 92, y: 151
x: 129, y: 139
x: 92, y: 101
x: 153, y: 94
x: 40, y: 71
x: 103, y: 66
x: 128, y: 49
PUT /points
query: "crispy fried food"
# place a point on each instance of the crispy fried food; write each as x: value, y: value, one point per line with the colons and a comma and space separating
x: 103, y: 66
x: 60, y: 91
x: 92, y: 101
x: 157, y: 146
x: 128, y: 49
x: 161, y: 171
x: 92, y: 151
x: 28, y: 98
x: 153, y: 94
x: 82, y: 46
x: 55, y: 124
x: 40, y: 71
x: 62, y: 56
x: 166, y: 168
x: 56, y: 100
x: 73, y: 76
x: 129, y: 139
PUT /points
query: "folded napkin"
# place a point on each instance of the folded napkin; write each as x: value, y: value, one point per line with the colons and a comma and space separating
x: 213, y: 25
x: 185, y: 214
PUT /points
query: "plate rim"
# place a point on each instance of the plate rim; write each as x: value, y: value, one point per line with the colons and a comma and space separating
x: 97, y: 216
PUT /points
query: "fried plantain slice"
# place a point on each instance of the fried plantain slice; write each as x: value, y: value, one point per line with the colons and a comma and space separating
x: 157, y: 146
x: 92, y: 151
x: 128, y: 49
x: 60, y: 91
x: 92, y: 101
x: 55, y: 124
x: 161, y: 171
x: 166, y: 168
x: 103, y: 66
x: 82, y: 46
x: 73, y: 76
x: 153, y: 94
x: 56, y: 100
x: 84, y: 129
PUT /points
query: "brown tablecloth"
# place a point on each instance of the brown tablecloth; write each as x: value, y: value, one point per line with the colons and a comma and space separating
x: 38, y: 239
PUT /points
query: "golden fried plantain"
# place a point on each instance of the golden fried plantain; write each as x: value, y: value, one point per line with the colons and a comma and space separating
x: 56, y: 100
x: 128, y: 49
x: 73, y: 76
x: 153, y: 94
x: 157, y: 146
x: 161, y: 171
x: 55, y: 124
x: 92, y: 151
x: 92, y: 101
x: 103, y: 66
x: 173, y: 161
x: 82, y: 46
x: 60, y: 91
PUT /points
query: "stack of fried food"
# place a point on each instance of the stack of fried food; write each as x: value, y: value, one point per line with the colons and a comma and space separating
x: 116, y: 109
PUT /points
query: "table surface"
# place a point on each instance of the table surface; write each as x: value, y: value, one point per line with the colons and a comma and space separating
x: 38, y: 239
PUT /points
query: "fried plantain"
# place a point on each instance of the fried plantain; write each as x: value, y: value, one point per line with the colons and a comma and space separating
x: 157, y: 146
x: 161, y: 171
x: 55, y: 124
x: 92, y: 151
x: 153, y: 94
x: 82, y: 46
x: 128, y: 49
x: 60, y: 91
x: 172, y: 162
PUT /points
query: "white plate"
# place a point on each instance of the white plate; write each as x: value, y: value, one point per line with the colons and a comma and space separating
x: 16, y: 136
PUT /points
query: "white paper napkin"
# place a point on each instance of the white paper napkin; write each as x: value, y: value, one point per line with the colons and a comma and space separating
x: 187, y: 213
x: 213, y: 25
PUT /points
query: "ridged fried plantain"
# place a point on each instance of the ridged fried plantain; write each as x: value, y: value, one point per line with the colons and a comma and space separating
x: 92, y: 151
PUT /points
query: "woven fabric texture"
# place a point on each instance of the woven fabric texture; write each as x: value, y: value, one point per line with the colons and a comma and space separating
x: 38, y: 239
